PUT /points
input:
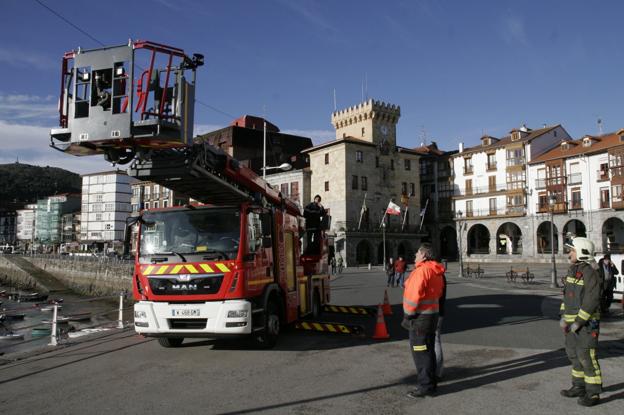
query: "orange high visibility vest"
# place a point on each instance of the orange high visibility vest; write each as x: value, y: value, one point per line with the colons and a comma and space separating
x: 423, y: 289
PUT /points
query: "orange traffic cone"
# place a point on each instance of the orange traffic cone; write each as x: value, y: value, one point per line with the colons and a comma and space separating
x: 387, y: 309
x: 381, y: 333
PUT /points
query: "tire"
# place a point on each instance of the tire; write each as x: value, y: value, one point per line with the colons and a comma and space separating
x: 267, y: 338
x: 170, y: 341
x: 317, y: 308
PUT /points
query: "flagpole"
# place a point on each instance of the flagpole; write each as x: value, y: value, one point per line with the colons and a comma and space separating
x: 362, y: 211
x: 404, y: 217
x: 422, y: 219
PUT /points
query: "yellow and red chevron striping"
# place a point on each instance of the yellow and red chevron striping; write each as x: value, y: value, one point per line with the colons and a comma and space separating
x: 195, y: 268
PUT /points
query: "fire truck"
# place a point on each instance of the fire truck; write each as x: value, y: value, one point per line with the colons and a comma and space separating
x: 238, y: 262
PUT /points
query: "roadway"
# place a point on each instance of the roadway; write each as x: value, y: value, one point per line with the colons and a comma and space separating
x: 502, y: 349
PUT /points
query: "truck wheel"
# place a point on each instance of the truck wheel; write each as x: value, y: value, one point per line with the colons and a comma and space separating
x: 267, y: 338
x: 317, y: 308
x: 170, y: 341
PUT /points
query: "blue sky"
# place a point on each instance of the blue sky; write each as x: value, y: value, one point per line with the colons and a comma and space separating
x: 456, y: 68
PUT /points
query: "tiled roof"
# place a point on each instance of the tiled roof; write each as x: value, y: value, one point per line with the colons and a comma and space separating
x: 503, y: 141
x: 600, y: 144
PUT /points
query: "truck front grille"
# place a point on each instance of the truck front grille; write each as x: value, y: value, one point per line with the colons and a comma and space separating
x: 187, y: 323
x: 194, y: 286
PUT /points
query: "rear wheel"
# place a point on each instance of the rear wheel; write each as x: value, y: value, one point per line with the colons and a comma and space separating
x: 267, y: 337
x: 170, y: 341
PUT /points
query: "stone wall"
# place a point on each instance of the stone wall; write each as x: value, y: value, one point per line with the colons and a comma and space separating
x: 90, y: 277
x: 13, y: 276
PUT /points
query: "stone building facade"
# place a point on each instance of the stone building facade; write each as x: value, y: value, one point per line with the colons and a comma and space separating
x: 358, y: 174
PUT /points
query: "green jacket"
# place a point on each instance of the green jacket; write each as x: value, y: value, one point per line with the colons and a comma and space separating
x: 581, y: 294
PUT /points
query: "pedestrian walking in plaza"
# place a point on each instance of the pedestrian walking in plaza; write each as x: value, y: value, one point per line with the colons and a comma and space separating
x: 390, y: 272
x: 332, y: 262
x: 399, y: 271
x: 421, y: 306
x: 580, y: 322
x: 608, y: 271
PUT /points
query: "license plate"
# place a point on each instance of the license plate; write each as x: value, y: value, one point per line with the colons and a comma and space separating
x: 185, y: 312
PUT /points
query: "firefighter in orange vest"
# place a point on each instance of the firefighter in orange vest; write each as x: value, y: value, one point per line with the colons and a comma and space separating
x: 423, y: 290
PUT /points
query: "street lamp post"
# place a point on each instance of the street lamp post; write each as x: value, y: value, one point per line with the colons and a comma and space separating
x: 383, y: 235
x: 283, y: 167
x: 553, y: 273
x: 461, y: 262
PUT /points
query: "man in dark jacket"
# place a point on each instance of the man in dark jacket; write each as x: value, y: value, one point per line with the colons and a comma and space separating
x: 313, y: 214
x: 580, y: 322
x: 608, y: 271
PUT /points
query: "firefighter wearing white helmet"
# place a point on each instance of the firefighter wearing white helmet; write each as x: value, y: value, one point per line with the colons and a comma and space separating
x: 580, y: 321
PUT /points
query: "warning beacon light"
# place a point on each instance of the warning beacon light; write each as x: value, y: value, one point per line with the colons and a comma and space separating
x: 125, y: 100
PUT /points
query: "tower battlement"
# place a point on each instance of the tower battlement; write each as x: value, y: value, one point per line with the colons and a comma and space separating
x: 371, y: 109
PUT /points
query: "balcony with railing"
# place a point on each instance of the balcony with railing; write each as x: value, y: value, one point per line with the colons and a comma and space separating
x: 575, y: 178
x: 560, y: 207
x: 576, y: 204
x: 604, y: 204
x: 516, y: 161
x: 540, y: 183
x: 468, y: 170
x: 555, y: 181
x: 491, y: 165
x: 602, y: 175
x: 480, y: 190
x: 505, y: 211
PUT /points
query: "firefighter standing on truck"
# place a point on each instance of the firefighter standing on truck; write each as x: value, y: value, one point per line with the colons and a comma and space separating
x: 423, y: 290
x: 580, y: 321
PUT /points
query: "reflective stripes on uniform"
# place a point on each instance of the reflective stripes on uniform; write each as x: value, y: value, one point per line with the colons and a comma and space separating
x: 578, y: 373
x: 420, y: 348
x: 597, y: 378
x: 575, y: 281
x: 584, y: 314
x: 422, y: 307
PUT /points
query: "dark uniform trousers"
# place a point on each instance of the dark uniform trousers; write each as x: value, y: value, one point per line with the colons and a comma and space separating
x: 581, y: 350
x: 422, y: 344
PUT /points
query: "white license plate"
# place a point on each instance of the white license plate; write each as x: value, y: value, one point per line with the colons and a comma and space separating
x: 185, y: 312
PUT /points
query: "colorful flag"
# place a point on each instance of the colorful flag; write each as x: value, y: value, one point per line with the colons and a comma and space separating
x: 393, y: 209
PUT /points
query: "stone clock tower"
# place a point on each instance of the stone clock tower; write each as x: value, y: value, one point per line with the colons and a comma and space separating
x: 372, y: 121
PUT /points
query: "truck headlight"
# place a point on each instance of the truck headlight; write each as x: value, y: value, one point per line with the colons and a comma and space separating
x: 237, y: 314
x: 139, y: 314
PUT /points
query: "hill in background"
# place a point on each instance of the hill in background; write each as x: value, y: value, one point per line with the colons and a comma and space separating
x: 23, y: 183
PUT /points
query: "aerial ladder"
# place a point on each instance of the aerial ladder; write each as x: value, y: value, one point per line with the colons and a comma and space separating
x: 232, y: 264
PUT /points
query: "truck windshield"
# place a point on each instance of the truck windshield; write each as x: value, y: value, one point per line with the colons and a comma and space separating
x: 207, y: 232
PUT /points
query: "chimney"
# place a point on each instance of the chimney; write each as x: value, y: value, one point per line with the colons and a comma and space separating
x: 461, y: 146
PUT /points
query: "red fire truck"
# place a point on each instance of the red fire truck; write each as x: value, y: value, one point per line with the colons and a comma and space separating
x: 237, y: 262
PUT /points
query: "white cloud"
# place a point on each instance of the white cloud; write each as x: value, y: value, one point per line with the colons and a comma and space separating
x: 317, y: 136
x: 26, y: 59
x: 31, y: 145
x: 17, y: 107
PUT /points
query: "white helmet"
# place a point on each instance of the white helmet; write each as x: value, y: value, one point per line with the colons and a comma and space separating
x: 584, y: 248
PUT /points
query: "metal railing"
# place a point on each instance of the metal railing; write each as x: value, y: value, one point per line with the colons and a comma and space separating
x: 468, y: 170
x: 480, y: 190
x: 502, y: 211
x: 491, y: 165
x: 575, y: 178
x: 516, y: 161
x: 603, y: 174
x: 540, y: 183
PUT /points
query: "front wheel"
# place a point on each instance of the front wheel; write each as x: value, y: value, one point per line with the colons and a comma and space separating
x: 267, y: 337
x: 170, y: 341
